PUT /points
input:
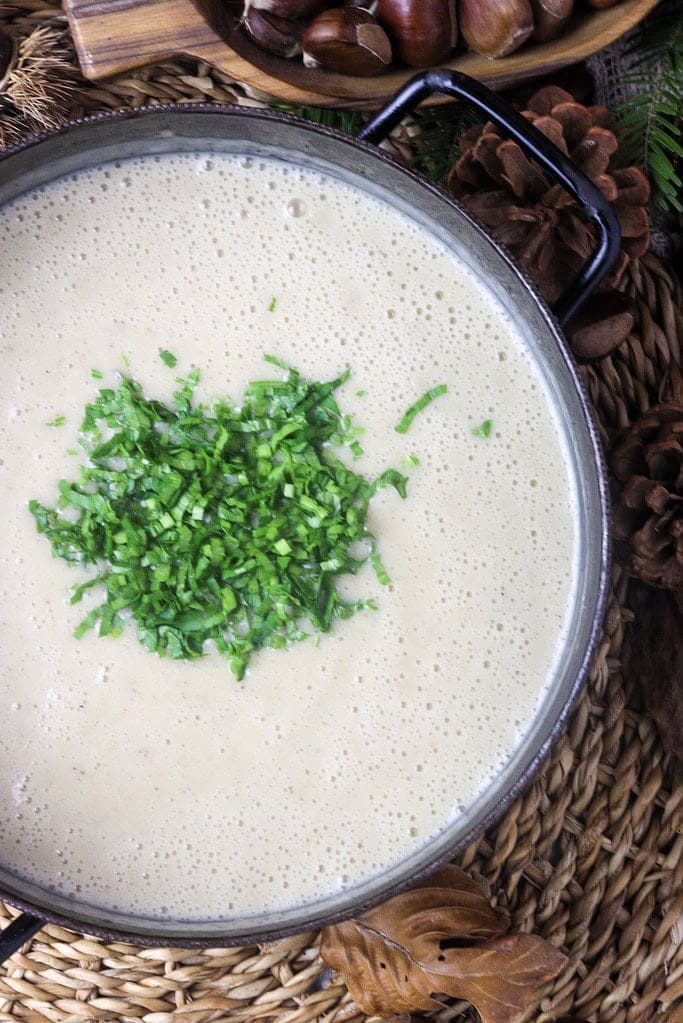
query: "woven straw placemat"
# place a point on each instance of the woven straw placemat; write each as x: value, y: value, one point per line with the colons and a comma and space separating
x: 589, y: 857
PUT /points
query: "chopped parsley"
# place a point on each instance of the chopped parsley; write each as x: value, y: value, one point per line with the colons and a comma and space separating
x: 168, y: 357
x: 57, y: 421
x: 272, y: 304
x: 484, y: 429
x: 216, y: 522
x: 419, y: 405
x: 96, y: 374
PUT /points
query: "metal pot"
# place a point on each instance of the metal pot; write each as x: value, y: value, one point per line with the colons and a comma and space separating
x: 225, y: 129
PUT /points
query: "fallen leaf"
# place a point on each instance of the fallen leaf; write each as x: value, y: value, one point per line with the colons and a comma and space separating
x: 396, y: 957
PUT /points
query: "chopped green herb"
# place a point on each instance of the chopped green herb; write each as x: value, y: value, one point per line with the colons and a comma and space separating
x: 360, y: 394
x: 272, y: 304
x: 57, y: 421
x: 216, y: 523
x: 380, y: 570
x: 410, y: 462
x: 484, y: 429
x: 168, y: 357
x: 420, y: 404
x: 356, y: 449
x: 96, y: 374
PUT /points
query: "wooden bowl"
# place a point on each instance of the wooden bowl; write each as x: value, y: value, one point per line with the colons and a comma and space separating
x: 112, y: 37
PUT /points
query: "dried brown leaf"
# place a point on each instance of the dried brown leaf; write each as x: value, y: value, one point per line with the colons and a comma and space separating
x: 396, y: 957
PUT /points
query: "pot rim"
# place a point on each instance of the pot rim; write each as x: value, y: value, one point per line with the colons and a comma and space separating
x: 506, y: 800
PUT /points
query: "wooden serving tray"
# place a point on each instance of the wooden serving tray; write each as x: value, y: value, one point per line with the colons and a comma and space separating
x: 114, y: 36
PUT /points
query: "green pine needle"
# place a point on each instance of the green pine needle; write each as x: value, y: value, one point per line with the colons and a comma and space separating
x: 435, y: 145
x: 650, y: 124
x: 348, y: 121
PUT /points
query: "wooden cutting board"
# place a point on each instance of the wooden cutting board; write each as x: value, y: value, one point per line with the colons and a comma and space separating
x: 114, y: 36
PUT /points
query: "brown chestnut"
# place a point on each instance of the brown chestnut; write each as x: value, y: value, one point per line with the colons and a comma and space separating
x: 291, y: 9
x: 495, y: 27
x: 348, y: 40
x: 423, y: 32
x: 550, y: 17
x: 280, y: 36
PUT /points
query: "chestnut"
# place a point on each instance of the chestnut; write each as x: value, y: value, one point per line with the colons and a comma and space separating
x: 290, y: 9
x: 348, y: 40
x: 423, y: 32
x: 495, y: 27
x: 280, y: 36
x: 550, y: 17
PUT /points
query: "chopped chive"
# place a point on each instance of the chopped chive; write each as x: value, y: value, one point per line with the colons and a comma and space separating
x: 484, y: 429
x: 360, y: 394
x: 168, y: 357
x: 411, y: 462
x: 380, y: 570
x: 96, y: 374
x: 57, y: 421
x: 272, y: 304
x: 217, y: 523
x: 419, y: 405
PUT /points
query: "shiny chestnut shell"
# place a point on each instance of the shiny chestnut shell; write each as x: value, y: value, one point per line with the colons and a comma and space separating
x: 348, y: 40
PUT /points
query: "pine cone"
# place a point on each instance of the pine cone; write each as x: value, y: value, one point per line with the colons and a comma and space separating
x: 539, y: 222
x: 648, y: 512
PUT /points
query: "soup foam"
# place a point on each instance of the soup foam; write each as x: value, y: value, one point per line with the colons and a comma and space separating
x: 166, y: 788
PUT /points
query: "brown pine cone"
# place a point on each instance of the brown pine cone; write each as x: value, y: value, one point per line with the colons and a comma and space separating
x: 538, y: 221
x: 648, y: 512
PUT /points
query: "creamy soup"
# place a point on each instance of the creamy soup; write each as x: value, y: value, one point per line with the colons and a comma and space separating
x: 167, y: 788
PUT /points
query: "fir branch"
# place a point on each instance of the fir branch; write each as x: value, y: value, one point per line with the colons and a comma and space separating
x: 435, y: 142
x: 432, y: 133
x: 348, y: 121
x: 650, y: 124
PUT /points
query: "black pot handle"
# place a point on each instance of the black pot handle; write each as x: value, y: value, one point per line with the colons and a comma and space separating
x: 18, y: 933
x: 534, y: 144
